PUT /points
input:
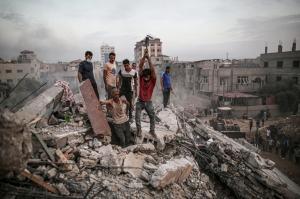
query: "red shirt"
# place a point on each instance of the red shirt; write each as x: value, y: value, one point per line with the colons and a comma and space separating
x: 146, y: 89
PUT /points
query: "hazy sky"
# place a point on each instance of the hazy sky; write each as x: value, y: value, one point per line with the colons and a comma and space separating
x: 190, y: 29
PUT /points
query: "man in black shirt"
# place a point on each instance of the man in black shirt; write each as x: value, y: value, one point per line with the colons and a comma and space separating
x: 127, y: 83
x: 85, y: 71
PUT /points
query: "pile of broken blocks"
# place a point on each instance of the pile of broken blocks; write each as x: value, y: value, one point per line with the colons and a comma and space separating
x: 68, y: 159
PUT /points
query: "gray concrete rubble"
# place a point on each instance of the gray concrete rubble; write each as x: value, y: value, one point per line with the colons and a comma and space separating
x: 177, y: 170
x: 15, y: 142
x: 42, y: 105
x: 186, y: 159
x: 242, y: 170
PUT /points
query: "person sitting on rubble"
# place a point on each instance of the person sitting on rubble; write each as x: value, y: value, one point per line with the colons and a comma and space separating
x: 85, y: 71
x: 120, y: 119
x: 127, y: 83
x: 147, y: 83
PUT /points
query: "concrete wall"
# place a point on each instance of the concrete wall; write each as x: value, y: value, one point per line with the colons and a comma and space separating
x: 12, y: 72
x: 253, y: 111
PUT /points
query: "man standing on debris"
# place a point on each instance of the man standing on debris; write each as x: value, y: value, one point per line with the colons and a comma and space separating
x: 109, y: 75
x: 166, y: 86
x: 147, y: 83
x: 85, y: 71
x: 120, y: 120
x: 127, y: 83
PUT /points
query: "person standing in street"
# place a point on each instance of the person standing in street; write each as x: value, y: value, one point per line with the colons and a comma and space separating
x: 85, y: 71
x: 166, y: 86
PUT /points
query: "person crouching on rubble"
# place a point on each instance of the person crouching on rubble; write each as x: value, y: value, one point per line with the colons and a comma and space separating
x: 120, y: 120
x: 147, y: 83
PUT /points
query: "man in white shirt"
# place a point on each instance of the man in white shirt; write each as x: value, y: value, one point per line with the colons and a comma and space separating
x: 109, y: 75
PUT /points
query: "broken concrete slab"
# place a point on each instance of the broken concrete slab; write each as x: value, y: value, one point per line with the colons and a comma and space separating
x: 96, y: 116
x: 88, y: 163
x: 42, y: 105
x: 144, y: 148
x: 169, y: 119
x: 133, y: 164
x: 15, y: 142
x: 174, y: 171
x: 109, y: 158
x: 62, y: 189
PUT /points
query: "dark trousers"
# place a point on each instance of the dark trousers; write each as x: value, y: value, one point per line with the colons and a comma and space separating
x: 123, y: 133
x: 139, y: 106
x: 166, y: 96
x: 95, y: 89
x: 128, y: 96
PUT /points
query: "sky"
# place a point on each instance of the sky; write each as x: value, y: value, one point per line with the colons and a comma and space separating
x: 62, y: 30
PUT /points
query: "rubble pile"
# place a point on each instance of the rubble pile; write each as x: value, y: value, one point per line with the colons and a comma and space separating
x: 186, y: 159
x: 15, y: 138
x: 246, y: 173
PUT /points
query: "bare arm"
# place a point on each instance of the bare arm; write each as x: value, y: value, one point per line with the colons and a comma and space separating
x: 105, y: 102
x: 104, y: 77
x: 152, y: 68
x: 118, y: 81
x: 142, y: 62
x: 162, y: 83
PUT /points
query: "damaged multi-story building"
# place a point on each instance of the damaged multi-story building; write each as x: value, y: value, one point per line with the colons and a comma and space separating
x: 236, y: 82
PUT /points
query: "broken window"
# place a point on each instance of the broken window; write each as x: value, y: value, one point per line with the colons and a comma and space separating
x: 242, y: 80
x: 296, y: 64
x: 19, y: 71
x: 266, y: 64
x: 279, y: 64
x: 8, y: 71
x: 278, y: 78
x: 295, y: 79
x: 204, y: 80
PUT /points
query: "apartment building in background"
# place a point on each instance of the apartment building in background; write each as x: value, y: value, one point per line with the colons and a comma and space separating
x: 27, y: 63
x: 104, y: 53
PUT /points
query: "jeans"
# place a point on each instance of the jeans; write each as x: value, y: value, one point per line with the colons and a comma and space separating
x: 140, y: 105
x: 166, y: 96
x: 123, y: 133
x: 128, y: 96
x: 94, y: 85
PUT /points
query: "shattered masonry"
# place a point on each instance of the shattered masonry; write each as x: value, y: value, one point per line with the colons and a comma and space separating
x: 55, y: 152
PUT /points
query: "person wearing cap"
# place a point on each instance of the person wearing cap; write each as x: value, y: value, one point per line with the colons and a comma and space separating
x: 147, y: 81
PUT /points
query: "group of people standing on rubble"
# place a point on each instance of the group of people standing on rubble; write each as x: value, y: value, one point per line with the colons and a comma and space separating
x: 125, y: 87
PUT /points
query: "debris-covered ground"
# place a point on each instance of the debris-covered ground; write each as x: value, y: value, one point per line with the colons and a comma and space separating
x: 187, y: 159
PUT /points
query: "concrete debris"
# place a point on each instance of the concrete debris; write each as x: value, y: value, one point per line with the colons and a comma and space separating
x: 71, y: 160
x: 133, y: 164
x: 62, y: 189
x: 245, y: 172
x: 174, y: 171
x: 15, y: 142
x: 42, y: 105
x: 144, y: 148
x: 96, y: 116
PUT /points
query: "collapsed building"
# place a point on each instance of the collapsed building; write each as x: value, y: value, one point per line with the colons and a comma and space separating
x: 62, y: 146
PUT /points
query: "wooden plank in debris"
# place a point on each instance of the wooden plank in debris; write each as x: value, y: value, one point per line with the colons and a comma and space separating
x: 63, y: 159
x: 38, y: 180
x: 50, y: 155
x: 96, y: 116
